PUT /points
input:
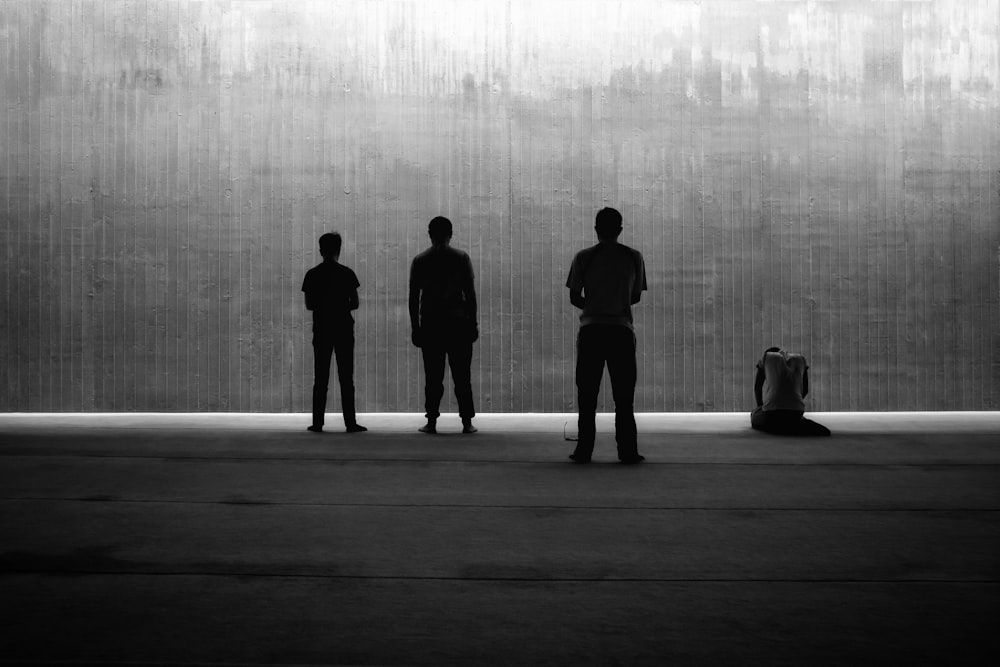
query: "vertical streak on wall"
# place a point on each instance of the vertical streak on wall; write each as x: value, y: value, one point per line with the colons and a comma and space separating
x: 991, y: 252
x: 16, y: 196
x: 34, y: 382
x: 8, y: 365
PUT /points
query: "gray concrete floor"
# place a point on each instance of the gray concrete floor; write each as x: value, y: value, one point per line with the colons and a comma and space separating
x: 244, y: 539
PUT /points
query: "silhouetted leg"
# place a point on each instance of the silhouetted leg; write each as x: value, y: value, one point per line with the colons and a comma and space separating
x: 433, y: 378
x: 589, y: 369
x: 620, y: 347
x: 460, y: 361
x: 785, y: 422
x: 345, y: 373
x: 778, y: 422
x: 809, y: 427
x: 769, y: 422
x: 322, y: 352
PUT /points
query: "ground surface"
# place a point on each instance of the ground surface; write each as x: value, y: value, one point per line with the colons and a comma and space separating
x: 206, y: 539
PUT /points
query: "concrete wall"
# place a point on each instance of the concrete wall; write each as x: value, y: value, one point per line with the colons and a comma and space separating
x: 819, y: 175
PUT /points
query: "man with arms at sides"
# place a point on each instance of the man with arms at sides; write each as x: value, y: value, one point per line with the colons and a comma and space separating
x: 331, y: 291
x: 780, y: 387
x: 443, y: 317
x: 604, y: 282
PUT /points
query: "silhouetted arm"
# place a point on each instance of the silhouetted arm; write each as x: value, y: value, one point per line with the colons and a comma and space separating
x: 575, y: 283
x: 310, y: 302
x: 640, y: 279
x: 758, y: 385
x: 352, y: 300
x: 469, y: 290
x: 414, y: 305
x: 805, y: 382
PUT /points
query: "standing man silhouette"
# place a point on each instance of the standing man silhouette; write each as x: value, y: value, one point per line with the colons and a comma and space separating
x: 331, y: 291
x: 443, y: 317
x: 605, y: 281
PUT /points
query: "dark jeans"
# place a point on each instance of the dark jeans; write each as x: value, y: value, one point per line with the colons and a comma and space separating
x: 441, y: 342
x: 785, y: 422
x: 614, y: 345
x: 340, y: 342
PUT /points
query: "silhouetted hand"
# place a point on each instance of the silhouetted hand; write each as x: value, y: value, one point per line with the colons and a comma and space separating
x: 417, y: 337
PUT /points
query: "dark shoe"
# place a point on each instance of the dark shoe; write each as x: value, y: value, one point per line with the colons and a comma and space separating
x: 430, y: 427
x: 315, y: 428
x: 578, y: 458
x: 638, y: 458
x: 356, y: 428
x: 467, y: 426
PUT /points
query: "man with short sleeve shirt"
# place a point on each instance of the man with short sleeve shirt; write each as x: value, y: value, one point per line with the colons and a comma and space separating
x: 443, y: 317
x: 781, y: 384
x: 331, y: 292
x: 604, y: 282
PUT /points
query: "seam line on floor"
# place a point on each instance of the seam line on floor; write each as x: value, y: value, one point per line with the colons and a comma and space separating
x: 554, y: 580
x: 679, y: 508
x: 561, y: 462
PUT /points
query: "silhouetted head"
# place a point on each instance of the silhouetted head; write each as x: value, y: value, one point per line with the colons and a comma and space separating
x: 329, y: 245
x: 439, y: 230
x: 772, y: 349
x: 608, y: 224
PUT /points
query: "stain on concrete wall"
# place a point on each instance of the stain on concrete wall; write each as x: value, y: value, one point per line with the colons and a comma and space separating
x: 821, y: 176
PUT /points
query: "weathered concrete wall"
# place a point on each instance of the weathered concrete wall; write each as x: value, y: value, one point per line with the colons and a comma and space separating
x: 818, y: 175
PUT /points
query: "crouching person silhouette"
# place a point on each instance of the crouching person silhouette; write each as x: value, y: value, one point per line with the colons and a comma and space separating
x: 780, y: 387
x: 331, y: 291
x: 443, y: 317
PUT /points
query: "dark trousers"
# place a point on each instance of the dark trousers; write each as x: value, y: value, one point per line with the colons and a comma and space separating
x: 438, y: 345
x: 614, y: 345
x: 785, y: 422
x: 325, y: 346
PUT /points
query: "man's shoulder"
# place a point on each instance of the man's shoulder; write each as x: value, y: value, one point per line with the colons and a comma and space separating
x: 617, y: 252
x: 423, y: 256
x: 347, y: 273
x: 312, y: 273
x: 454, y: 254
x: 631, y: 252
x: 797, y: 360
x: 445, y: 253
x: 585, y: 254
x: 325, y: 272
x: 792, y: 361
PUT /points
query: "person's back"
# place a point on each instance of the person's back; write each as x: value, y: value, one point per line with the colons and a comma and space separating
x: 331, y: 290
x: 611, y: 276
x: 783, y: 381
x: 444, y: 277
x: 780, y: 388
